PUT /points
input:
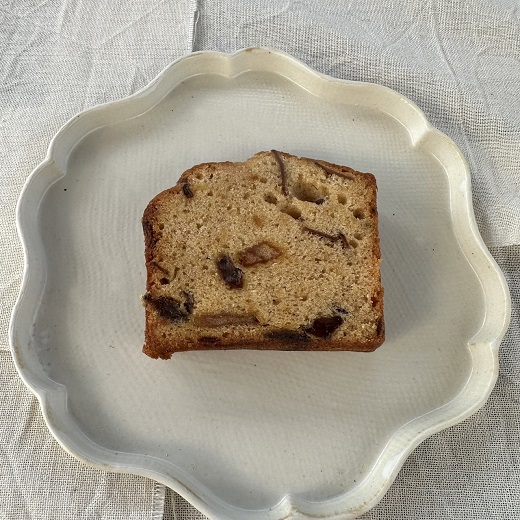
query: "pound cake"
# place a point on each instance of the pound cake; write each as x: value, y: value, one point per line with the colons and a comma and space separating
x: 277, y: 252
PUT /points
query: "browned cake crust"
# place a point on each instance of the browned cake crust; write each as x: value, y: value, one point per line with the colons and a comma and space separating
x: 278, y: 252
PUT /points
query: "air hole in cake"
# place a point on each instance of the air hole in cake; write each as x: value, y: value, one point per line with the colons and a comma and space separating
x: 292, y: 211
x: 276, y: 302
x: 209, y: 194
x: 358, y: 236
x: 353, y: 243
x: 246, y: 195
x: 161, y: 226
x: 164, y: 281
x: 308, y: 192
x: 269, y: 197
x: 359, y: 214
x: 263, y: 180
x: 342, y: 199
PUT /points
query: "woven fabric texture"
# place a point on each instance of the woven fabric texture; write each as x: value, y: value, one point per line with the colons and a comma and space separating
x: 457, y: 60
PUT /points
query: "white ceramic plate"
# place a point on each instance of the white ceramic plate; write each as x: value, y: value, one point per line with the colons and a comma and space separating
x: 243, y: 434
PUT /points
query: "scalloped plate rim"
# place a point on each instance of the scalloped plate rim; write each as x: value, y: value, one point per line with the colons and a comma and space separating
x: 485, y: 343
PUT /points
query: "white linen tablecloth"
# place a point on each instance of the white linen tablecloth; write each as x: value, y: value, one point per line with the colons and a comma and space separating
x: 458, y: 60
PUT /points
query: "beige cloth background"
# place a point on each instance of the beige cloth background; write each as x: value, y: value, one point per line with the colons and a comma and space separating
x: 458, y: 60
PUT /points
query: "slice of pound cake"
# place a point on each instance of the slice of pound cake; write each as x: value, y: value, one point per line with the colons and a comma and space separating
x: 277, y: 252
